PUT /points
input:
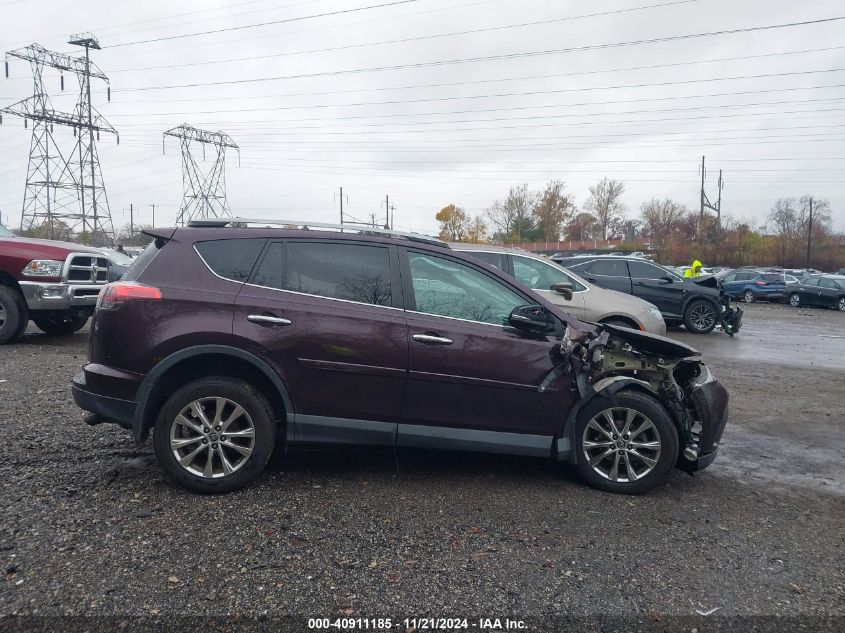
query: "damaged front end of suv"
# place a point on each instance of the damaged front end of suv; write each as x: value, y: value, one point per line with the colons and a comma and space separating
x: 730, y: 314
x: 611, y: 360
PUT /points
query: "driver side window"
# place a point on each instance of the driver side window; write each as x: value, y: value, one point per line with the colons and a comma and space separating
x: 445, y: 287
x: 539, y: 275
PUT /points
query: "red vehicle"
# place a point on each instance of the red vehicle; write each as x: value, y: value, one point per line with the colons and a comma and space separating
x: 55, y: 284
x: 242, y: 338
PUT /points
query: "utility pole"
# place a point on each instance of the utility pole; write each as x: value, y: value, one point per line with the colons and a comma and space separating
x: 154, y: 215
x: 810, y: 234
x: 131, y: 221
x: 340, y: 197
x: 705, y: 203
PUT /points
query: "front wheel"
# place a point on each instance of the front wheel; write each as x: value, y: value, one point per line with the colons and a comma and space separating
x: 748, y: 297
x: 700, y: 316
x: 840, y: 305
x: 626, y: 443
x: 14, y: 315
x: 214, y: 435
x: 794, y: 300
x: 62, y: 324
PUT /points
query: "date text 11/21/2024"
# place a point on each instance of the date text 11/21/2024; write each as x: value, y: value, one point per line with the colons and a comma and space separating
x: 416, y: 624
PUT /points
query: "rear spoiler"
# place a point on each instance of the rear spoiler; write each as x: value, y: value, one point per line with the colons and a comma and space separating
x: 165, y: 233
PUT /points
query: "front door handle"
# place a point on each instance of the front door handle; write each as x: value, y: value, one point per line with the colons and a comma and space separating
x: 431, y: 339
x: 265, y: 319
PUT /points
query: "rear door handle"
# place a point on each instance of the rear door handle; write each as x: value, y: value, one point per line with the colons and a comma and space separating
x: 264, y: 319
x: 431, y: 339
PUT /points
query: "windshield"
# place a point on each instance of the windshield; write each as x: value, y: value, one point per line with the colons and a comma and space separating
x: 4, y: 232
x: 119, y: 258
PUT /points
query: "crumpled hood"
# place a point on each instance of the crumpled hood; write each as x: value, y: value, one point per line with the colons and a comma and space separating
x: 708, y: 281
x: 652, y: 343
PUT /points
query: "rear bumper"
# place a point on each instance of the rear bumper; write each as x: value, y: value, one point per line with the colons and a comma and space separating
x: 115, y: 410
x: 59, y: 296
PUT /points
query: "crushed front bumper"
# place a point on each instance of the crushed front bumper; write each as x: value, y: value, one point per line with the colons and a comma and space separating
x: 60, y: 296
x: 732, y: 319
x: 710, y: 405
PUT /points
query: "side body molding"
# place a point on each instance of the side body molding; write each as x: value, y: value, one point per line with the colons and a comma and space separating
x: 143, y: 416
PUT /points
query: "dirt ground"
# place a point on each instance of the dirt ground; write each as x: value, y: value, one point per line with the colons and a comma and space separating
x: 90, y: 527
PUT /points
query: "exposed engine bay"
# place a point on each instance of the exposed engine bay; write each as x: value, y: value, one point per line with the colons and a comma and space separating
x: 613, y: 358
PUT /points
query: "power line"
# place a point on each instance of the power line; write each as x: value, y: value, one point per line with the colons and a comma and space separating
x: 268, y: 23
x: 467, y: 60
x: 415, y: 39
x: 498, y: 80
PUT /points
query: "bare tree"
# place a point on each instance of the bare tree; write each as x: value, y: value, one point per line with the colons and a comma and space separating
x: 552, y: 210
x: 477, y: 230
x: 606, y: 202
x: 512, y: 217
x: 784, y: 217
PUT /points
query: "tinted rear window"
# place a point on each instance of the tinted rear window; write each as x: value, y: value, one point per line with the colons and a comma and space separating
x: 772, y: 277
x: 353, y: 272
x: 140, y: 263
x: 609, y: 268
x: 231, y: 259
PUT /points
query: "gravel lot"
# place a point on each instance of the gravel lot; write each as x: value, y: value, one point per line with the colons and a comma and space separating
x: 91, y: 527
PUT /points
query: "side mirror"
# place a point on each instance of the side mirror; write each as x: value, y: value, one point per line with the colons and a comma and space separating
x: 531, y: 318
x: 563, y: 288
x: 666, y: 279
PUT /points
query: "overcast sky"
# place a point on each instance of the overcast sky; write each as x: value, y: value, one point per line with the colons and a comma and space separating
x: 364, y: 99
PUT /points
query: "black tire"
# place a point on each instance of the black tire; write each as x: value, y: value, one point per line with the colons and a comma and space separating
x: 794, y: 300
x: 748, y: 296
x: 663, y: 429
x: 61, y: 325
x: 700, y: 317
x: 260, y: 416
x: 840, y: 304
x: 14, y: 315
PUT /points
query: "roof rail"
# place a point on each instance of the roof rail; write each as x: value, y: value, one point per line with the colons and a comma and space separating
x: 306, y: 225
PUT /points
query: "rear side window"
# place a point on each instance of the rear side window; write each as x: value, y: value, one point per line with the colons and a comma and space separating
x: 824, y: 282
x: 140, y: 263
x: 352, y: 272
x: 772, y: 277
x: 609, y: 268
x: 495, y: 259
x: 642, y: 270
x: 231, y: 259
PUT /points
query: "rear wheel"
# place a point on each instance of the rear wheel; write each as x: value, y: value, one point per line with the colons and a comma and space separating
x: 794, y: 300
x: 61, y: 324
x: 840, y: 305
x: 700, y: 316
x: 214, y: 435
x: 626, y: 443
x: 748, y: 297
x: 13, y: 314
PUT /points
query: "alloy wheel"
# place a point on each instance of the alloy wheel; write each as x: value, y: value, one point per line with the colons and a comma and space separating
x: 794, y: 301
x: 212, y: 437
x: 621, y: 444
x: 840, y: 305
x: 703, y: 317
x: 749, y: 296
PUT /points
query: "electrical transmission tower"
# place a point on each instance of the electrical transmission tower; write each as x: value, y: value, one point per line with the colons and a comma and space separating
x: 204, y: 194
x: 64, y: 193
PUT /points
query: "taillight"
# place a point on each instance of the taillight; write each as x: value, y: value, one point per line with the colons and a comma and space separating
x: 115, y: 294
x: 759, y: 283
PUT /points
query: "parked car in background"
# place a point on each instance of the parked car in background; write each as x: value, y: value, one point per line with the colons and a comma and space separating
x: 55, y: 284
x: 790, y: 280
x: 823, y: 291
x: 588, y: 302
x: 119, y: 263
x: 699, y: 303
x: 243, y: 337
x: 751, y: 285
x: 841, y: 271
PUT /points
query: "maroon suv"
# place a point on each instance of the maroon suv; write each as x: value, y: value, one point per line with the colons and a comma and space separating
x: 227, y: 340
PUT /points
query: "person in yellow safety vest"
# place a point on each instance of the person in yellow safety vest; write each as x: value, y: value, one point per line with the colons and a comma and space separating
x: 694, y: 270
